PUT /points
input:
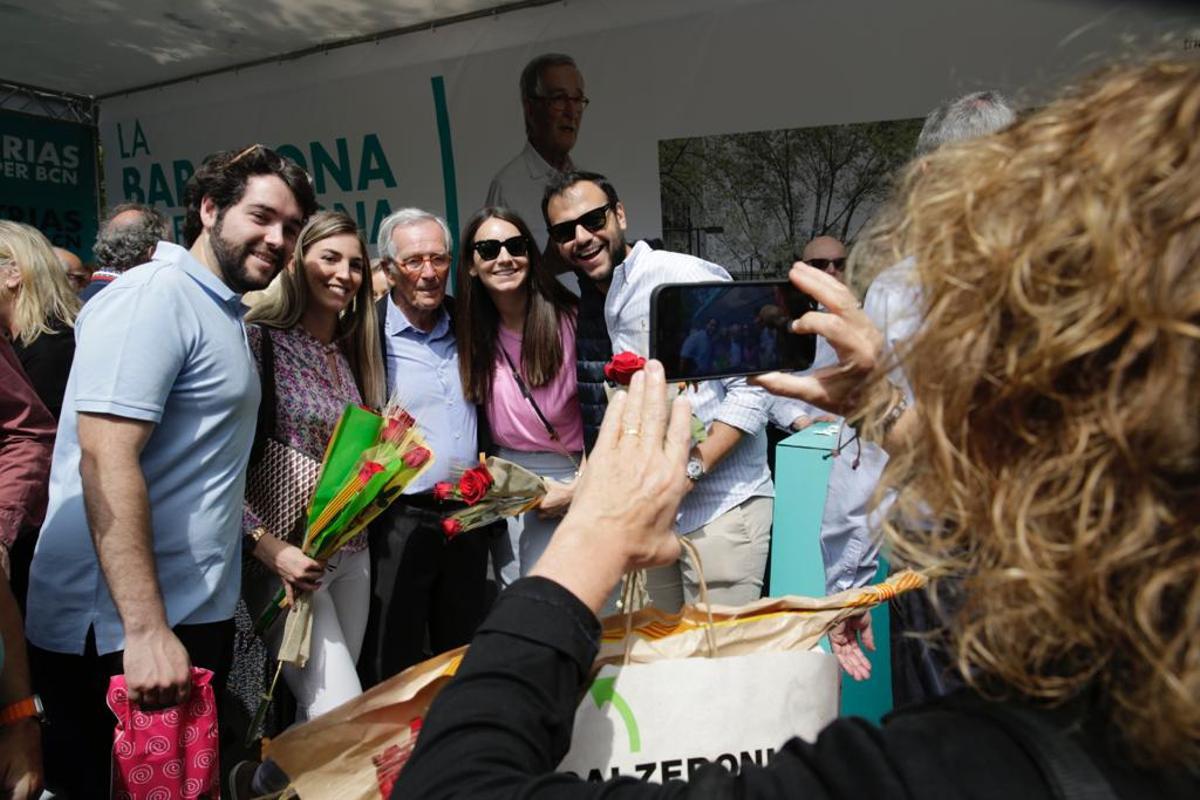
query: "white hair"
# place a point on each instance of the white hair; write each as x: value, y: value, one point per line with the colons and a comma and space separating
x: 402, y: 219
x: 975, y: 114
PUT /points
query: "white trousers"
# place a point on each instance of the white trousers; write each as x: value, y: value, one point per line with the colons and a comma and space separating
x: 340, y: 607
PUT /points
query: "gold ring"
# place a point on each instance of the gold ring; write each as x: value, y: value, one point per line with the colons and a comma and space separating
x: 632, y: 431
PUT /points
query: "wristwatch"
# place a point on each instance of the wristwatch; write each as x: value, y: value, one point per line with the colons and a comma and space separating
x: 695, y: 469
x: 23, y: 709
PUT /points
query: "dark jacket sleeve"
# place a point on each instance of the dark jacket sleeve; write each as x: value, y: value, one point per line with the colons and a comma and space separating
x: 47, y: 363
x: 501, y: 727
x: 592, y: 351
x: 26, y: 442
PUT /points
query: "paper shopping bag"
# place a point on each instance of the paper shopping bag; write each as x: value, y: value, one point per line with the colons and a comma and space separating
x: 167, y: 754
x: 664, y: 720
x: 356, y: 751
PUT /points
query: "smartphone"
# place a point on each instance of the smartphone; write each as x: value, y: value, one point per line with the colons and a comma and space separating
x: 721, y: 329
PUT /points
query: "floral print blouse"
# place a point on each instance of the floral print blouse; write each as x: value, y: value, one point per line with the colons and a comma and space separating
x: 313, y: 384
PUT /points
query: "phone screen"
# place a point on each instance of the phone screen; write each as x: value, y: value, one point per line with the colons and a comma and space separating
x: 714, y: 330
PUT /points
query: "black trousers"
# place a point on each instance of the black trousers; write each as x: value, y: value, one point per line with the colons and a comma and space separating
x: 77, y: 743
x: 428, y: 593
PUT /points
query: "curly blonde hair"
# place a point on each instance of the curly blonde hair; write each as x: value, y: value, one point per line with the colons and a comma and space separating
x: 1057, y: 382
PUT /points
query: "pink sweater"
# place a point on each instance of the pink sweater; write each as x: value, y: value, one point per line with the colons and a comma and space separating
x: 514, y: 423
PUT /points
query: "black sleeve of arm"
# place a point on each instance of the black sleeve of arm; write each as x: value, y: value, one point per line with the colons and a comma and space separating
x: 47, y: 363
x: 500, y: 728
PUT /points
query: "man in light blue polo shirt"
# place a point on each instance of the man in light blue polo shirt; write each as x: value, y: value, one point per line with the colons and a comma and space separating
x: 137, y: 568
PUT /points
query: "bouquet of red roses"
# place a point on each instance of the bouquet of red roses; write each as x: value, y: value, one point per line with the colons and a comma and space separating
x: 368, y: 462
x: 621, y: 368
x: 493, y: 489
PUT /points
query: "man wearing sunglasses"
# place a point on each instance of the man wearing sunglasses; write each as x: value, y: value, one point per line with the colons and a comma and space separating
x: 552, y: 101
x: 828, y: 254
x: 728, y: 512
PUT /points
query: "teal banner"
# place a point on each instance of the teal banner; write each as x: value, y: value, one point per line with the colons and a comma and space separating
x: 48, y: 179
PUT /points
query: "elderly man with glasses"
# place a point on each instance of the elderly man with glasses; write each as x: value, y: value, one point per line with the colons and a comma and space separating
x: 553, y: 102
x: 426, y: 588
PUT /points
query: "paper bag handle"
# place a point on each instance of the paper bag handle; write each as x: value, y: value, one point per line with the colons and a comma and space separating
x: 689, y: 547
x: 635, y: 584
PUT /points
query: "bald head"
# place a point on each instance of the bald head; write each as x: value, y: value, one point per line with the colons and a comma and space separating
x: 828, y: 253
x: 130, y: 216
x: 77, y: 273
x: 128, y: 237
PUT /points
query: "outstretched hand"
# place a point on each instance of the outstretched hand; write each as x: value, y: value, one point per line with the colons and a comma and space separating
x: 848, y: 330
x: 623, y: 514
x: 844, y: 639
x: 557, y: 498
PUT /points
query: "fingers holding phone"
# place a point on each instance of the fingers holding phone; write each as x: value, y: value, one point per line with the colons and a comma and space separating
x: 842, y: 322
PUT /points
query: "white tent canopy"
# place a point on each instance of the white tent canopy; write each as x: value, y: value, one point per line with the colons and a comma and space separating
x: 106, y: 47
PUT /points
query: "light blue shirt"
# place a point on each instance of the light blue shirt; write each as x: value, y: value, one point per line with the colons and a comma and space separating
x: 164, y: 343
x: 743, y: 473
x: 895, y: 304
x: 422, y: 372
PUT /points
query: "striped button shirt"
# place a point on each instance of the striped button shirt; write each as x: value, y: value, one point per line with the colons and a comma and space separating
x: 743, y: 473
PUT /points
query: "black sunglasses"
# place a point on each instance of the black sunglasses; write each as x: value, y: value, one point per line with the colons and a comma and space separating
x: 825, y: 263
x: 593, y: 221
x: 489, y: 249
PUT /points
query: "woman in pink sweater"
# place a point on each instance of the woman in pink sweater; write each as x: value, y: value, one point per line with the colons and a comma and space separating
x: 516, y: 355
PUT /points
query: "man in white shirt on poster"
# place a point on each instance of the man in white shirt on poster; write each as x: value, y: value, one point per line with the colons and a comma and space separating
x: 553, y: 101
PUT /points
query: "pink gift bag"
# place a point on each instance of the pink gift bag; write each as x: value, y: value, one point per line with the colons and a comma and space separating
x: 167, y: 754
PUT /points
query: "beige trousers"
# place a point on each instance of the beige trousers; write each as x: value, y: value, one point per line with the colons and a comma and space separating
x: 733, y: 552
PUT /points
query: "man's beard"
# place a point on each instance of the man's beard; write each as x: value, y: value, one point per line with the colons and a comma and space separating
x: 231, y: 260
x: 617, y: 251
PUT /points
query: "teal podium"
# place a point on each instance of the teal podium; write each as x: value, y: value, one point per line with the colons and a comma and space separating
x: 802, y: 464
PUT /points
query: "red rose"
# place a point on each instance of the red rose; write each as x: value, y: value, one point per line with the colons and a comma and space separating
x: 451, y: 527
x: 395, y: 427
x: 623, y: 367
x: 416, y: 457
x: 443, y: 490
x: 474, y: 483
x: 369, y: 470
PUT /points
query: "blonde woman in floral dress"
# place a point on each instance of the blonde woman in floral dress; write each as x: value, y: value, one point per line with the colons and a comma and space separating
x: 321, y: 325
